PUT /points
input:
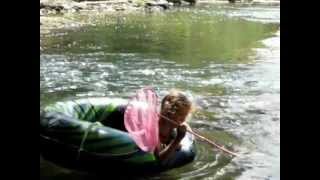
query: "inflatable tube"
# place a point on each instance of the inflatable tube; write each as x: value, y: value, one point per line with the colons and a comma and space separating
x: 72, y: 137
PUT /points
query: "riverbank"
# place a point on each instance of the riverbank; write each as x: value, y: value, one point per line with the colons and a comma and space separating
x: 57, y: 14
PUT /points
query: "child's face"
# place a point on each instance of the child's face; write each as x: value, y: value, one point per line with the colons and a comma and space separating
x: 166, y: 126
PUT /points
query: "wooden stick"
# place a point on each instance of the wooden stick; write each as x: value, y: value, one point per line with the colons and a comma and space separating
x: 201, y: 137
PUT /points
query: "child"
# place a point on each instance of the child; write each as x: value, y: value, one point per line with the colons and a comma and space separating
x: 175, y: 106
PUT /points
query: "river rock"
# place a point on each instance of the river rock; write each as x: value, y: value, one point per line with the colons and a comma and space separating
x: 153, y: 9
x: 159, y: 3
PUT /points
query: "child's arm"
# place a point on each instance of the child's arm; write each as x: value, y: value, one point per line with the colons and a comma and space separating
x: 171, y: 148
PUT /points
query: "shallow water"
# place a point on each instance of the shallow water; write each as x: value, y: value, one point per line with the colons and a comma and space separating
x: 227, y: 59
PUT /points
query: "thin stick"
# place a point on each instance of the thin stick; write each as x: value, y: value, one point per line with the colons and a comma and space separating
x: 202, y: 137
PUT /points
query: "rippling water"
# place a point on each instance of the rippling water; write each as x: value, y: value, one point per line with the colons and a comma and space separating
x: 227, y: 58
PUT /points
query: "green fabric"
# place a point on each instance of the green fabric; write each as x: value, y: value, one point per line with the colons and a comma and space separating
x: 91, y: 110
x: 87, y: 135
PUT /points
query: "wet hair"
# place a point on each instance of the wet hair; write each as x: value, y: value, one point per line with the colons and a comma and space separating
x: 175, y: 104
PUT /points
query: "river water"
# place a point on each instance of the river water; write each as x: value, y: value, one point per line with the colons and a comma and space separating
x: 225, y: 57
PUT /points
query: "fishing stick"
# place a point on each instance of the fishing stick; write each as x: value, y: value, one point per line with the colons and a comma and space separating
x: 201, y: 137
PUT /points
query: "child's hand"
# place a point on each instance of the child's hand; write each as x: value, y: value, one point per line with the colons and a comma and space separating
x: 182, y: 129
x: 178, y: 147
x: 188, y: 126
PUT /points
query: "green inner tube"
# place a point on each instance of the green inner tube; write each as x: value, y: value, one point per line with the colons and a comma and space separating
x: 72, y: 135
